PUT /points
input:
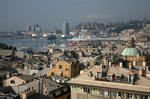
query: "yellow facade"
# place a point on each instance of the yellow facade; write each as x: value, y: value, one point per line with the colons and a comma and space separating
x: 65, y: 69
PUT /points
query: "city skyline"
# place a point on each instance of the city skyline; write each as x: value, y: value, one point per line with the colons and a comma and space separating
x: 15, y: 15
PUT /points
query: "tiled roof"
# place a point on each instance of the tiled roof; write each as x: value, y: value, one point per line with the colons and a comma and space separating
x: 26, y: 77
x: 51, y: 85
x: 5, y: 52
x: 7, y: 90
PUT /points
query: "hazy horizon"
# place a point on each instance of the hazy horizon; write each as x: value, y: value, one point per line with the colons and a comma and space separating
x: 16, y: 14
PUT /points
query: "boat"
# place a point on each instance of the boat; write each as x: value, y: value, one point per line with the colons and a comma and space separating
x: 34, y: 35
x: 45, y: 34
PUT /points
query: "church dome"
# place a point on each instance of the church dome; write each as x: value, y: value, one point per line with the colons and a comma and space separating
x: 130, y: 52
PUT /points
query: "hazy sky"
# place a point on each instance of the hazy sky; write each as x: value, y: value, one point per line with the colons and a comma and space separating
x: 15, y: 14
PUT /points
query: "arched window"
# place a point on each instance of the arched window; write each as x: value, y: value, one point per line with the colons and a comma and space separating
x: 12, y: 82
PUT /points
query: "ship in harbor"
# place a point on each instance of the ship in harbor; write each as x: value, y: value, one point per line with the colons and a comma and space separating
x: 34, y: 35
x: 49, y: 36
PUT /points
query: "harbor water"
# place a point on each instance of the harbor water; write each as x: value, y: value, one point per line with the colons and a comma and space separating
x: 35, y: 43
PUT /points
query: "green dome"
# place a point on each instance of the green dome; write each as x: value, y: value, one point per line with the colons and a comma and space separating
x: 130, y: 52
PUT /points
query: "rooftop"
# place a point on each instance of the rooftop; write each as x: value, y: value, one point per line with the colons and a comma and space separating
x: 119, y: 71
x: 142, y: 85
x: 51, y: 85
x: 26, y: 77
x: 7, y: 90
x: 5, y: 52
x: 8, y: 93
x: 130, y: 52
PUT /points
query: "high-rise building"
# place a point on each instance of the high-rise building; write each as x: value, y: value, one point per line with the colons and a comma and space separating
x: 144, y: 22
x: 65, y: 28
x: 28, y: 28
x: 36, y: 28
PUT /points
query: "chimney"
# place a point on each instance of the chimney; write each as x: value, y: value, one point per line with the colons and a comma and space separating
x: 131, y: 78
x: 110, y: 64
x: 146, y: 68
x: 134, y: 63
x: 144, y: 63
x: 121, y: 64
x: 141, y: 72
x: 105, y: 62
x: 8, y: 75
x: 130, y: 66
x: 137, y: 55
x: 90, y: 74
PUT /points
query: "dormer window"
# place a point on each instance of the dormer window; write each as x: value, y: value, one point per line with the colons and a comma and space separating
x: 113, y: 77
x: 122, y: 77
x: 118, y: 78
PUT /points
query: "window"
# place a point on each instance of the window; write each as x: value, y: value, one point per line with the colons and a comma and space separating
x: 28, y: 89
x: 129, y: 96
x: 118, y: 78
x: 67, y: 69
x: 12, y: 82
x: 143, y: 97
x: 52, y: 73
x: 102, y: 92
x: 109, y: 77
x: 95, y: 91
x: 106, y: 93
x: 99, y: 75
x: 119, y: 94
x: 45, y: 92
x: 122, y: 77
x: 60, y: 66
x: 86, y: 90
x: 113, y: 77
x: 77, y: 88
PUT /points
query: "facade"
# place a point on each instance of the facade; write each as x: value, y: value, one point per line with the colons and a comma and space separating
x: 138, y: 60
x: 65, y: 28
x: 65, y: 68
x: 18, y: 80
x: 86, y: 86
